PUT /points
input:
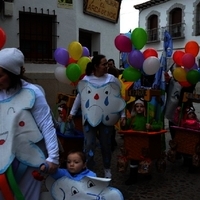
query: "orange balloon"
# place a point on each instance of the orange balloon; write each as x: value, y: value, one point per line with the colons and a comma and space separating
x: 192, y: 47
x: 184, y: 83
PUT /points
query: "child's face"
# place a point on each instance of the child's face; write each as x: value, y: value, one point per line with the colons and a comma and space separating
x: 191, y: 115
x: 139, y: 108
x: 74, y: 163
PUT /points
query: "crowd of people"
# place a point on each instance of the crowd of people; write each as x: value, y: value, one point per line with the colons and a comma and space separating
x: 99, y: 73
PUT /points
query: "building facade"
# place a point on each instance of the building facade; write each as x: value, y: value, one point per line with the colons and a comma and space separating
x: 181, y: 18
x: 38, y: 27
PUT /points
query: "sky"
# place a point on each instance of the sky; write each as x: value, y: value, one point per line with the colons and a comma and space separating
x: 129, y: 15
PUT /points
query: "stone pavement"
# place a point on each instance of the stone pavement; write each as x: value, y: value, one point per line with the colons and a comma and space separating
x: 176, y: 183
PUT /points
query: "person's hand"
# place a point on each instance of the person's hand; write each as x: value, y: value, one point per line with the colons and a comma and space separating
x: 122, y: 121
x: 70, y: 118
x: 52, y: 167
x: 148, y: 126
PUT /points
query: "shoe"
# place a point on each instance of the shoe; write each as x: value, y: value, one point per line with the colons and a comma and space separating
x: 107, y: 173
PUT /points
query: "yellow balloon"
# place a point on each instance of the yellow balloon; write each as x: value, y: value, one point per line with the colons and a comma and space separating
x: 179, y: 74
x: 82, y: 62
x: 75, y: 50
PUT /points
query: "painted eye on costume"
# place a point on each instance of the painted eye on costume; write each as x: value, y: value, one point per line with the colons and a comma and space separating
x: 74, y: 191
x: 22, y: 123
x: 90, y: 184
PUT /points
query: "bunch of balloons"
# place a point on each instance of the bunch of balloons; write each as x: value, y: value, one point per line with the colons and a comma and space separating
x: 186, y: 71
x: 2, y: 38
x: 74, y: 60
x: 137, y: 62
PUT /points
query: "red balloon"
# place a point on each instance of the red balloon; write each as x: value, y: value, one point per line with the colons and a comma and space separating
x: 150, y: 52
x: 192, y: 47
x: 185, y: 84
x: 177, y: 57
x: 71, y: 60
x: 188, y: 60
x: 2, y: 38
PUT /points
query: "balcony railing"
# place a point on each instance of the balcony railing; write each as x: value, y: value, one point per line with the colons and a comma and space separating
x: 153, y: 35
x: 176, y: 30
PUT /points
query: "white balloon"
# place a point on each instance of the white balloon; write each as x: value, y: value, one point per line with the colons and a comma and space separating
x: 60, y: 74
x: 151, y: 65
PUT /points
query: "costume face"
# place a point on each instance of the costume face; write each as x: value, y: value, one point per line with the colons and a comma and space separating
x: 102, y: 68
x: 4, y: 79
x: 74, y: 163
x: 139, y: 108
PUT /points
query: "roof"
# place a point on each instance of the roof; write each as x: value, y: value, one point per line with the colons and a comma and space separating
x: 149, y: 4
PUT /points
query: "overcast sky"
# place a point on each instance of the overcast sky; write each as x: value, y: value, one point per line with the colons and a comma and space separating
x: 129, y: 15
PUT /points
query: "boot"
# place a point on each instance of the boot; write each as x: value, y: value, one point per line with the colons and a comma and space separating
x: 132, y: 177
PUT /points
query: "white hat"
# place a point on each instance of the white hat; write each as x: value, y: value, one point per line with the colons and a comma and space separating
x: 139, y: 101
x: 11, y: 59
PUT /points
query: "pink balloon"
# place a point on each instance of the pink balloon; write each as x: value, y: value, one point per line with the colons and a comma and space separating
x: 188, y: 60
x: 123, y: 43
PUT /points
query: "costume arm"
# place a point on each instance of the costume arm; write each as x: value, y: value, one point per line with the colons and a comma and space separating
x: 43, y: 118
x: 76, y: 105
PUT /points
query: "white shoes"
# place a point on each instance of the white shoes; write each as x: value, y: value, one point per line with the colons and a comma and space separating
x: 107, y: 173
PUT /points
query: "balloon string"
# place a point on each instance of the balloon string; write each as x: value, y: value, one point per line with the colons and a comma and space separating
x: 13, y: 184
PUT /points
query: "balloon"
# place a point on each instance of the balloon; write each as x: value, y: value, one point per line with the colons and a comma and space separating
x: 151, y: 65
x: 73, y: 72
x: 188, y: 60
x: 150, y: 52
x: 185, y: 84
x: 192, y: 47
x: 60, y: 74
x: 61, y: 56
x: 177, y: 57
x: 139, y: 38
x: 71, y: 60
x: 123, y: 43
x: 136, y: 59
x: 82, y: 62
x: 193, y: 76
x: 75, y: 50
x: 131, y: 74
x: 86, y: 52
x: 179, y: 74
x: 2, y: 38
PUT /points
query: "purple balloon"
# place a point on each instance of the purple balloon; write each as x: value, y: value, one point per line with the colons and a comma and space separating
x: 61, y: 56
x: 136, y: 59
x: 86, y: 52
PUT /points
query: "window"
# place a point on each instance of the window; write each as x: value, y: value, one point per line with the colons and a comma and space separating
x: 153, y: 28
x: 37, y: 36
x: 198, y: 19
x: 176, y: 26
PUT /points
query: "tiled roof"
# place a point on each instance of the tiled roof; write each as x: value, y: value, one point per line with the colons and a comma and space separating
x: 149, y: 4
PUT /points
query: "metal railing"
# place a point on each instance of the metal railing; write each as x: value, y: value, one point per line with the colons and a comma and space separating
x: 153, y: 35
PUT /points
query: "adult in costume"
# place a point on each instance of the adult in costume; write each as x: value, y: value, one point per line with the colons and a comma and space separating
x: 102, y: 106
x: 27, y: 133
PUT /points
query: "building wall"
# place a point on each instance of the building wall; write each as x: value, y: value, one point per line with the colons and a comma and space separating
x: 162, y: 10
x: 70, y: 21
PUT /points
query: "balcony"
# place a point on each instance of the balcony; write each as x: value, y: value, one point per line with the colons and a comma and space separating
x: 153, y: 35
x: 176, y: 30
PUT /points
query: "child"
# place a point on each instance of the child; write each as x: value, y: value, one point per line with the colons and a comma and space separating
x: 138, y: 121
x: 75, y: 167
x: 187, y: 119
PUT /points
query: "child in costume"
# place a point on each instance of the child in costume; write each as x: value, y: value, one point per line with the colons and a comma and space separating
x: 138, y: 122
x: 75, y: 167
x: 187, y: 118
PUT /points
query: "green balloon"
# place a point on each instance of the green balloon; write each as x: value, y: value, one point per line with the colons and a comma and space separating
x: 73, y: 72
x: 193, y: 76
x: 139, y: 38
x: 131, y: 74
